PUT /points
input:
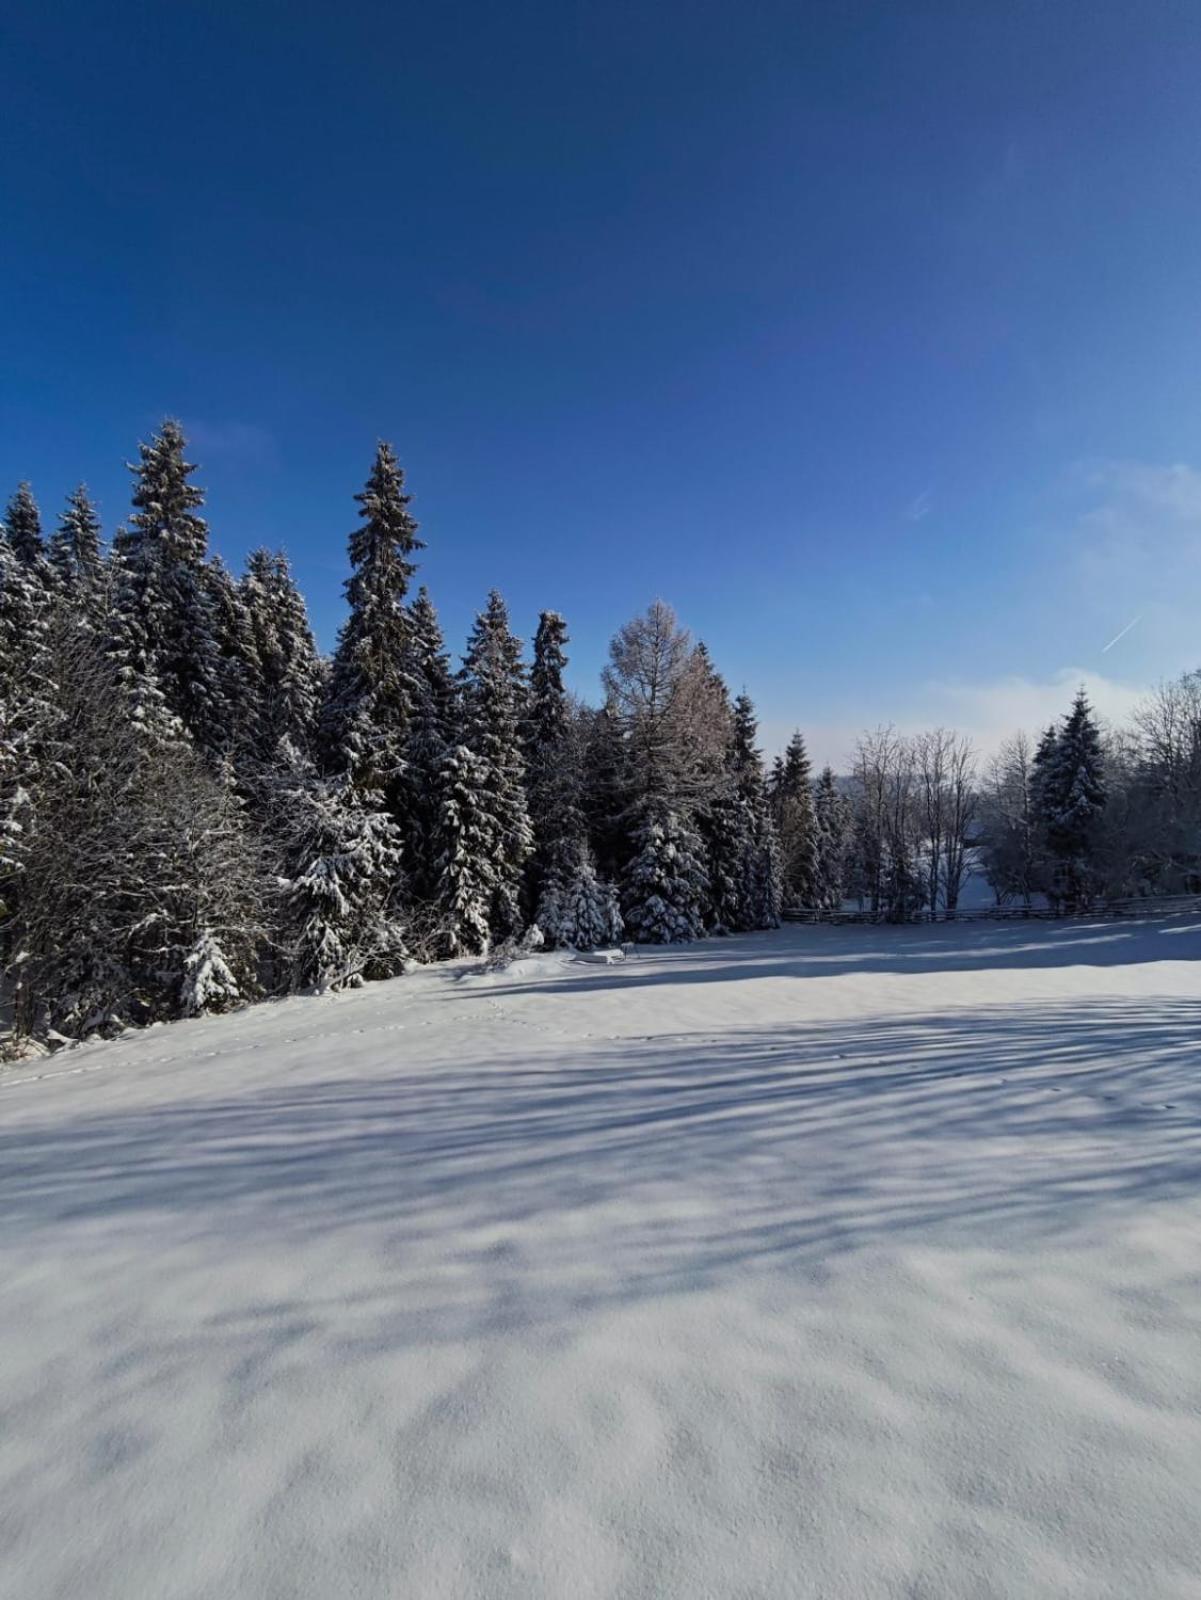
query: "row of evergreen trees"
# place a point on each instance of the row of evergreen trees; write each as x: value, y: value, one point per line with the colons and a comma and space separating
x: 197, y: 808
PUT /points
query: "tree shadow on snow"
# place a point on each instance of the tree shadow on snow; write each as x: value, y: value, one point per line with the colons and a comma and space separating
x: 828, y: 951
x: 649, y: 1168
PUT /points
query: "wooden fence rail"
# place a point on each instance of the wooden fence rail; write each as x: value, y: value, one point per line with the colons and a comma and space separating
x: 1165, y: 905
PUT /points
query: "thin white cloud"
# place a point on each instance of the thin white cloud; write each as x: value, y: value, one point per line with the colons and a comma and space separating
x: 988, y: 711
x: 1138, y: 545
x: 919, y: 507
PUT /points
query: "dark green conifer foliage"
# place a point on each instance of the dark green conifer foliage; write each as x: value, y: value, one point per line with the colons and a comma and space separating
x: 365, y: 722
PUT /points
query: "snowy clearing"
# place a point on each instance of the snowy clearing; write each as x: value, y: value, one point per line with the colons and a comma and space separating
x: 859, y: 1262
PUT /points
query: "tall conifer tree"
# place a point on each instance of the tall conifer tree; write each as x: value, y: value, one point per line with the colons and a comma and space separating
x: 834, y: 825
x: 23, y: 525
x: 76, y: 550
x: 493, y: 697
x: 1072, y: 792
x: 760, y: 873
x: 433, y: 734
x: 163, y: 626
x: 286, y: 673
x: 365, y: 722
x: 792, y: 800
x: 572, y: 906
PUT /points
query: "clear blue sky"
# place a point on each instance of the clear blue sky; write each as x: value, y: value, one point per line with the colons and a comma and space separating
x: 868, y: 335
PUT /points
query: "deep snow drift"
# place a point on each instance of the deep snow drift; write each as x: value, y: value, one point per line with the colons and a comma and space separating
x: 856, y: 1262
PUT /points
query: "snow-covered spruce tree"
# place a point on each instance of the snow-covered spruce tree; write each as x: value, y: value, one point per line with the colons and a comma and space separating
x: 665, y: 887
x: 23, y: 525
x: 577, y: 910
x: 553, y: 778
x: 26, y: 604
x: 720, y: 817
x: 1073, y: 796
x: 25, y: 613
x: 1041, y: 766
x: 760, y: 868
x: 495, y: 817
x: 239, y: 669
x: 469, y: 854
x: 792, y: 804
x: 76, y: 553
x: 606, y: 785
x: 433, y: 734
x: 27, y: 697
x: 163, y: 637
x: 365, y: 719
x: 572, y: 906
x: 284, y: 668
x: 341, y: 853
x: 142, y: 887
x: 723, y: 827
x: 834, y: 823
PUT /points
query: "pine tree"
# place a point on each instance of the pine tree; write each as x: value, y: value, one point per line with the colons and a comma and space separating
x: 23, y: 525
x: 721, y: 819
x: 606, y: 786
x: 554, y: 780
x: 834, y: 826
x: 163, y: 626
x: 433, y: 734
x: 239, y: 668
x: 469, y: 853
x: 1045, y: 754
x: 576, y: 909
x: 76, y: 552
x: 142, y: 892
x: 24, y: 621
x: 572, y: 906
x: 493, y: 697
x: 792, y: 799
x: 342, y: 853
x: 28, y: 693
x: 365, y: 721
x: 284, y: 668
x: 1072, y: 795
x: 664, y: 885
x: 760, y: 868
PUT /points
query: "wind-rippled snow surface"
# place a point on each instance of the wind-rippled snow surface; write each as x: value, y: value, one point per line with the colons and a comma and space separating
x: 839, y: 1263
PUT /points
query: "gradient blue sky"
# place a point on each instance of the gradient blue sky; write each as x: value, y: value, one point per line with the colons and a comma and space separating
x: 868, y: 335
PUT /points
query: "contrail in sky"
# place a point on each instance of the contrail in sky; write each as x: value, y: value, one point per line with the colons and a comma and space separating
x: 1123, y: 633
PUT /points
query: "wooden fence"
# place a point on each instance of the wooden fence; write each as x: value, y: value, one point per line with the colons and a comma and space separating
x: 1164, y: 905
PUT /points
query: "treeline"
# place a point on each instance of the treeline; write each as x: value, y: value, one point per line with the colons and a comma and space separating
x: 1084, y: 815
x: 1088, y: 814
x: 197, y: 808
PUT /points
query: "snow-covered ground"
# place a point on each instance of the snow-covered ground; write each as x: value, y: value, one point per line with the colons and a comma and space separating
x: 835, y: 1262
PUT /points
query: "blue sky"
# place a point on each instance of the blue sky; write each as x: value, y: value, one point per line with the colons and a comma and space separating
x: 869, y: 336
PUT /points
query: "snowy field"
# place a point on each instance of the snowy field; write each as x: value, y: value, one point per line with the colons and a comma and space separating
x: 835, y: 1262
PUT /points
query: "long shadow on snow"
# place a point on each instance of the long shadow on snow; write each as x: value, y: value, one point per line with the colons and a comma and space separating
x: 826, y: 951
x: 658, y: 1168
